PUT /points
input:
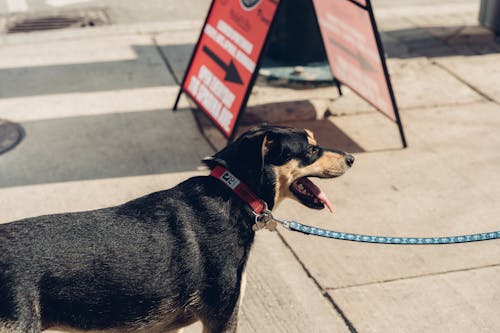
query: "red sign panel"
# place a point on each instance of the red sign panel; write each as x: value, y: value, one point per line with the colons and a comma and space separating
x: 226, y: 57
x: 353, y: 52
x: 361, y: 2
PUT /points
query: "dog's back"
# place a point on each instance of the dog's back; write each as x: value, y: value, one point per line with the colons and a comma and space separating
x: 138, y: 265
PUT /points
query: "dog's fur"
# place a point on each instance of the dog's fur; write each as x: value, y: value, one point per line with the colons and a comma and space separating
x: 159, y: 262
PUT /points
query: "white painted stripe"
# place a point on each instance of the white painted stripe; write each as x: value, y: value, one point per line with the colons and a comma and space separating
x: 44, y: 107
x: 169, y: 33
x: 431, y: 10
x: 76, y: 53
x: 61, y: 3
x: 73, y: 196
x: 87, y: 50
x: 17, y: 5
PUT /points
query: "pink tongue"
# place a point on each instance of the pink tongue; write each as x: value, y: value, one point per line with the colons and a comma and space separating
x: 317, y: 192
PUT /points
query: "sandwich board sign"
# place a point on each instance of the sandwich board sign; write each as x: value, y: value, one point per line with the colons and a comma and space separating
x: 226, y: 59
x: 355, y: 52
x: 227, y: 56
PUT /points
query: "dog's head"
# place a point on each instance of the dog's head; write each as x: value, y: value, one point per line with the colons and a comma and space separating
x: 275, y: 162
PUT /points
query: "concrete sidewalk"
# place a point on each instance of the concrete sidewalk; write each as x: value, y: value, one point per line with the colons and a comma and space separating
x: 95, y: 106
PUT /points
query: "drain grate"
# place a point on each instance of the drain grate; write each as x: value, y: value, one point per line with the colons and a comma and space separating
x: 51, y: 21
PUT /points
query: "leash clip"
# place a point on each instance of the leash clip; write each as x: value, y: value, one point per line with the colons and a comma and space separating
x: 284, y: 223
x: 264, y: 220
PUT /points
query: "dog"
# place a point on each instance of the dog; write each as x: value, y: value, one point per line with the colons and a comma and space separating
x: 162, y: 261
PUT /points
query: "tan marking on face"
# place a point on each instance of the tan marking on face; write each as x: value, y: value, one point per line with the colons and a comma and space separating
x: 310, y: 137
x: 284, y: 178
x: 329, y: 165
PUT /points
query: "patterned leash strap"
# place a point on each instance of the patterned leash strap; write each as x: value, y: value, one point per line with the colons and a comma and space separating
x: 296, y: 226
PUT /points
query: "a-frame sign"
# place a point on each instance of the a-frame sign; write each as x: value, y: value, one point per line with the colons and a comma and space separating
x: 226, y: 59
x: 227, y: 56
x: 355, y: 53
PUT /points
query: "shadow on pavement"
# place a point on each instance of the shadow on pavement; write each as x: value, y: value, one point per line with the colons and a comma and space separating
x: 146, y: 70
x: 439, y: 41
x: 104, y: 146
x: 178, y: 56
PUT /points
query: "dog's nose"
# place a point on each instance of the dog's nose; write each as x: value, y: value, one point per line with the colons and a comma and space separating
x: 349, y: 159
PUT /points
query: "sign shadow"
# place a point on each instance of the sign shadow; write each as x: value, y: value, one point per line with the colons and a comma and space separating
x: 299, y: 114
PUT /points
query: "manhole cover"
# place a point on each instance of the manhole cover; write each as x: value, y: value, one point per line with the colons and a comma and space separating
x: 51, y: 21
x: 10, y: 135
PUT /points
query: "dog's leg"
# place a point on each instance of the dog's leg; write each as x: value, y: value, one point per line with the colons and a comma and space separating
x: 23, y: 312
x: 243, y: 286
x: 26, y: 326
x: 219, y: 323
x: 229, y: 325
x: 29, y: 318
x: 6, y: 327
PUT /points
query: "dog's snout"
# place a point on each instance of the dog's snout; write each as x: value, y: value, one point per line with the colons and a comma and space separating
x: 349, y: 159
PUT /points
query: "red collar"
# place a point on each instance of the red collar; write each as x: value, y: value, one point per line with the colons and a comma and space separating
x: 239, y: 188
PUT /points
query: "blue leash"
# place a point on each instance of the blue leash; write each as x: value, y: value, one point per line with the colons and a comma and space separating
x: 295, y: 226
x: 308, y: 230
x: 265, y: 220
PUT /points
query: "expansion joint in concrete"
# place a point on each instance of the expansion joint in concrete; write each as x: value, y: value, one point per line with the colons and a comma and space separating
x: 323, y: 292
x: 463, y: 81
x: 413, y: 277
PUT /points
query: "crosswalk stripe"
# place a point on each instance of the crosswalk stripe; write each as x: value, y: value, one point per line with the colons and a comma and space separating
x: 17, y: 5
x: 60, y: 3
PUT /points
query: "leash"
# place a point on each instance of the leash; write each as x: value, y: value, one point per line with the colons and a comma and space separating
x: 264, y: 219
x: 308, y: 230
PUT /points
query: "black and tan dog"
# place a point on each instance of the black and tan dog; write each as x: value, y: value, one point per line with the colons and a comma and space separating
x: 163, y: 261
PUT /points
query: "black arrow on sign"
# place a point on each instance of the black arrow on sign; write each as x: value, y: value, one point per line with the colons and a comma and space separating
x: 232, y: 74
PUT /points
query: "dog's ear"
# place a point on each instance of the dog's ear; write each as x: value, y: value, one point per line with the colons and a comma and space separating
x: 245, y: 157
x: 274, y: 151
x: 211, y: 162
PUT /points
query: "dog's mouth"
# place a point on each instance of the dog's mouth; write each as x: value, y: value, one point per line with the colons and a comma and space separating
x: 309, y: 194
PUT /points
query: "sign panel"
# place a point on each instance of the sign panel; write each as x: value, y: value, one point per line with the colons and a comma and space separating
x: 361, y: 2
x: 226, y: 57
x: 353, y: 53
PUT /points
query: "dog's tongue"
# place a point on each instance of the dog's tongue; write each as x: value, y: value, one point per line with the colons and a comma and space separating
x: 317, y: 192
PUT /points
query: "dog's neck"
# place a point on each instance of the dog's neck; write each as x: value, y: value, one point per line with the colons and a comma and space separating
x: 239, y: 188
